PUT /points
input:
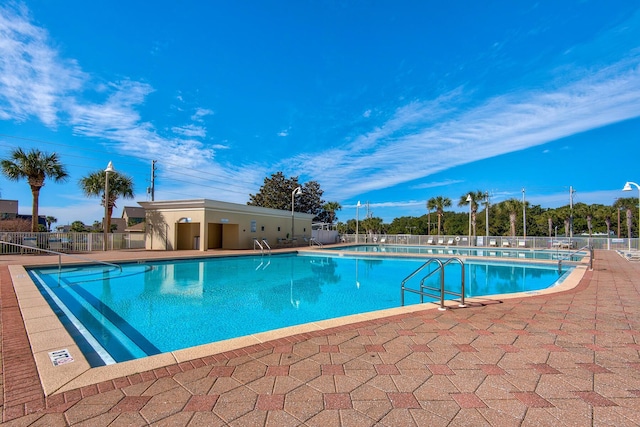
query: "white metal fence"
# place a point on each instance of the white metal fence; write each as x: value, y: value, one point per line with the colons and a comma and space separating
x: 576, y: 242
x: 70, y: 242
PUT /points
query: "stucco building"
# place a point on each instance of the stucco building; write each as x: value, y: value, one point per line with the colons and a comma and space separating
x: 210, y: 224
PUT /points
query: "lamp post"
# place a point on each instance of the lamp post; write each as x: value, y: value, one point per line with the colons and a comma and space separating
x: 357, y: 219
x: 294, y: 193
x: 486, y: 195
x: 524, y: 216
x: 106, y: 203
x: 627, y: 187
x: 470, y: 201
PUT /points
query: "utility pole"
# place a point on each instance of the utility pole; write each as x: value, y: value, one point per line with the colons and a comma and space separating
x: 571, y: 192
x: 524, y: 216
x: 486, y: 195
x: 151, y: 189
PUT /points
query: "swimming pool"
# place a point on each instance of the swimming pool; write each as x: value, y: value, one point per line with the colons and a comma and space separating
x: 160, y: 306
x: 543, y: 254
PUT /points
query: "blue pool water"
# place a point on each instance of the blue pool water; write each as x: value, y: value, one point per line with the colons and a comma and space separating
x: 155, y: 307
x: 549, y: 254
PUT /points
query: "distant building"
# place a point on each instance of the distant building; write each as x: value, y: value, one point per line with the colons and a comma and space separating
x: 9, y: 209
x: 133, y: 215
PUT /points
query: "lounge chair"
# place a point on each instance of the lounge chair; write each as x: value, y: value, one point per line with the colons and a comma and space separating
x: 430, y: 241
x: 492, y: 242
x: 441, y: 240
x: 450, y: 241
x: 505, y: 243
x: 522, y: 243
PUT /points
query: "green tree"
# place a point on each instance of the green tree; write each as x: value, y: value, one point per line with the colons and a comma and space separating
x: 438, y: 204
x: 328, y: 213
x: 373, y: 225
x: 77, y: 227
x: 511, y: 207
x: 34, y: 166
x: 276, y: 192
x: 50, y: 220
x: 120, y: 185
x: 606, y: 212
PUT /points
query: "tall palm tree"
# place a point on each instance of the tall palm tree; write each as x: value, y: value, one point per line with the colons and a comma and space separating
x: 120, y: 185
x: 34, y: 166
x: 511, y: 207
x: 331, y: 208
x: 476, y: 198
x: 438, y: 204
x: 606, y: 212
x: 50, y: 220
x: 627, y: 204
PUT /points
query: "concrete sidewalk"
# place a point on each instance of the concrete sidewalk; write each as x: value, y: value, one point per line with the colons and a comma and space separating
x: 565, y: 359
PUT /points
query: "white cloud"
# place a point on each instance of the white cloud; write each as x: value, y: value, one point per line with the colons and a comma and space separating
x: 437, y: 184
x: 446, y: 135
x: 200, y: 114
x: 34, y: 81
x: 190, y: 131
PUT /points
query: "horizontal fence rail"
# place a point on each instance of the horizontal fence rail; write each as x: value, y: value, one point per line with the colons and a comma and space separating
x: 69, y: 242
x: 529, y: 242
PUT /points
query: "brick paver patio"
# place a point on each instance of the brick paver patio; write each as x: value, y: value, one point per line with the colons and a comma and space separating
x: 565, y: 359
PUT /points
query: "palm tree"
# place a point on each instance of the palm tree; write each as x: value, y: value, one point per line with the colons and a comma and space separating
x: 438, y: 204
x: 331, y: 208
x: 34, y: 166
x: 511, y: 207
x: 476, y: 197
x: 606, y: 212
x: 627, y: 204
x: 50, y: 220
x: 119, y: 185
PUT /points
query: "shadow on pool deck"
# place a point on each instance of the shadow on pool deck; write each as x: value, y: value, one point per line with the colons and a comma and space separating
x: 567, y: 358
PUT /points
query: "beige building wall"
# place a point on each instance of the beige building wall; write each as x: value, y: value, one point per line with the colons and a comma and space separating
x: 209, y: 224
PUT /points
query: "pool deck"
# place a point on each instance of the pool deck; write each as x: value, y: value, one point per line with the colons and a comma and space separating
x: 570, y: 357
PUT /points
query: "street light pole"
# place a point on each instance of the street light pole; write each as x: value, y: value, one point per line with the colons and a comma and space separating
x: 108, y: 170
x: 470, y: 201
x: 486, y: 195
x: 524, y: 216
x: 627, y: 187
x: 294, y: 193
x: 357, y: 219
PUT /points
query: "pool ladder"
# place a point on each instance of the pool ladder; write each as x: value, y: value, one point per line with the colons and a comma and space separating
x: 262, y: 245
x: 430, y: 291
x: 570, y: 254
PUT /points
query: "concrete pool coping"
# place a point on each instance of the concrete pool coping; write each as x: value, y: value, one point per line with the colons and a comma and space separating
x: 47, y: 334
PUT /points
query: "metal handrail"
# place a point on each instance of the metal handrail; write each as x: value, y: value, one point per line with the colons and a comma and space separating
x: 568, y: 256
x: 255, y: 242
x: 442, y: 290
x: 35, y: 248
x: 264, y: 241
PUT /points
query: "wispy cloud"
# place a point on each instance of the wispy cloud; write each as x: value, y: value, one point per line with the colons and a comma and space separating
x: 190, y: 130
x: 200, y: 114
x: 36, y: 82
x: 436, y: 184
x: 447, y: 134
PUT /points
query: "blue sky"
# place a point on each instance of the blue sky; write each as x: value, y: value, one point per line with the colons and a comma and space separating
x: 385, y: 102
